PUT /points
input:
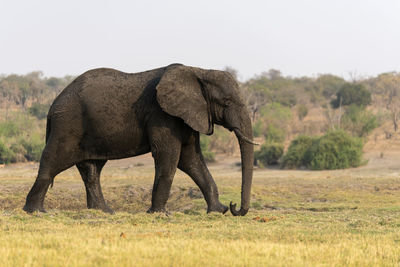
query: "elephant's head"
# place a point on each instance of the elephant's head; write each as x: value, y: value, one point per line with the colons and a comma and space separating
x: 204, y: 97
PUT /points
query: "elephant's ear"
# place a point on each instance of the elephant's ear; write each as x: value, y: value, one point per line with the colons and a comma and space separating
x: 179, y: 94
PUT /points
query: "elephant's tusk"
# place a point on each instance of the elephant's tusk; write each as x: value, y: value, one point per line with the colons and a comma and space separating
x: 240, y: 135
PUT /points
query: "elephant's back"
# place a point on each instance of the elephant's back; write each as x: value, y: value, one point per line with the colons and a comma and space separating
x: 105, y: 90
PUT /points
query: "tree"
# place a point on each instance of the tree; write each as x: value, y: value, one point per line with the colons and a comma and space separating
x: 255, y: 100
x: 351, y: 93
x: 389, y: 85
x: 302, y: 111
x: 329, y: 84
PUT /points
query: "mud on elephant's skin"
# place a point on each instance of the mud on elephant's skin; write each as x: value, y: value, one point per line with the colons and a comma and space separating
x: 106, y: 114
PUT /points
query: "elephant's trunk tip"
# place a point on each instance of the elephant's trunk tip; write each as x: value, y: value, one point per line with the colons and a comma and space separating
x: 240, y: 212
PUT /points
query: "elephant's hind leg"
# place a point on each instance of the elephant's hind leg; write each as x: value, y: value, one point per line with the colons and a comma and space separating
x: 192, y: 163
x: 35, y: 198
x: 90, y: 172
x: 52, y: 163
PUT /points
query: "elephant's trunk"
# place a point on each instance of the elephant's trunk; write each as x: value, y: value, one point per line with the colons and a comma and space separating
x: 247, y: 157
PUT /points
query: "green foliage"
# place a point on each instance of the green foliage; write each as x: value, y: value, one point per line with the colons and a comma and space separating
x: 19, y: 124
x: 359, y: 121
x: 330, y: 84
x: 274, y: 87
x: 39, y: 110
x: 272, y: 123
x: 334, y: 150
x: 294, y: 157
x: 275, y: 133
x: 22, y: 138
x: 205, y: 148
x: 9, y: 129
x: 6, y: 155
x: 34, y: 147
x: 257, y: 128
x: 19, y: 152
x: 269, y: 154
x: 302, y: 111
x: 351, y: 93
x: 322, y: 88
x: 20, y: 90
x: 222, y: 141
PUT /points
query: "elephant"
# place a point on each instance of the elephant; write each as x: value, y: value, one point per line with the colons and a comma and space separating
x: 106, y: 114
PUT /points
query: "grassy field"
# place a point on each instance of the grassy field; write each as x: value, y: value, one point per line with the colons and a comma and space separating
x: 298, y: 218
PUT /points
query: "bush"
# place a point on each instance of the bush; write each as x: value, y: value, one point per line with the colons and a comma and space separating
x: 351, y: 93
x: 274, y: 134
x: 18, y: 124
x: 359, y: 121
x: 205, y: 149
x: 34, y: 147
x: 334, y: 150
x: 273, y: 122
x: 39, y: 110
x: 6, y: 155
x: 9, y: 129
x: 302, y: 111
x: 294, y: 157
x: 19, y: 152
x: 269, y: 154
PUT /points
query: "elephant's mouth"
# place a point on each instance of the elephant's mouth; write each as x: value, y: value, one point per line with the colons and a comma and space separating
x: 241, y: 136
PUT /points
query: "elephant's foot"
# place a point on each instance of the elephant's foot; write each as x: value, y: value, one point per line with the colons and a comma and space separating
x: 217, y: 208
x: 32, y: 207
x: 154, y: 210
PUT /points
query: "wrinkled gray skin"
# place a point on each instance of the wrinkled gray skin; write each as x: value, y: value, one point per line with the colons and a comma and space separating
x: 106, y: 114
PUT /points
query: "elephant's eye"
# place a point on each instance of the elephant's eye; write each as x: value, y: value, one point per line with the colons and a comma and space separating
x: 226, y: 103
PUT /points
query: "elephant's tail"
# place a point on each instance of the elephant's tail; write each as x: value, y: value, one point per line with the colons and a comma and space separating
x: 48, y: 127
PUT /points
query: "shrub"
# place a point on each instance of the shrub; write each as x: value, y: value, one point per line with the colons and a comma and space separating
x: 334, y: 150
x: 6, y: 155
x: 19, y: 152
x: 39, y: 110
x: 269, y: 154
x: 351, y: 93
x: 205, y: 149
x: 273, y: 122
x: 34, y: 147
x: 294, y: 157
x: 274, y: 134
x: 9, y: 129
x: 359, y: 121
x: 302, y: 111
x: 18, y: 124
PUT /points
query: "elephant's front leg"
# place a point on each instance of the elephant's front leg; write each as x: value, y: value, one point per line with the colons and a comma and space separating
x: 192, y: 163
x: 165, y: 151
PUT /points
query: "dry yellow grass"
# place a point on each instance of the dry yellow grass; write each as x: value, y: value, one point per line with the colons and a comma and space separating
x: 298, y: 218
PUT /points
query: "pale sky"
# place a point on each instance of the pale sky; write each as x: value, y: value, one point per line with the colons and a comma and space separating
x: 298, y: 37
